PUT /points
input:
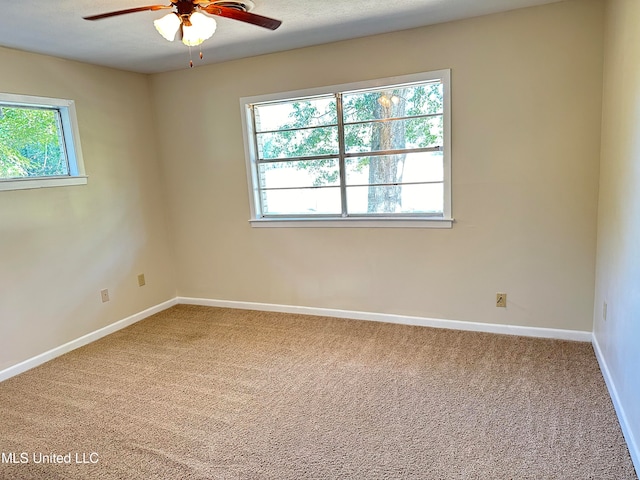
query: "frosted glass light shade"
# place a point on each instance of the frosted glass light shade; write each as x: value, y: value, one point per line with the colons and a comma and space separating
x: 168, y: 26
x: 201, y: 28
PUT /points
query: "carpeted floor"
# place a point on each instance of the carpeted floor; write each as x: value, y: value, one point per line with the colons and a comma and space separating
x: 209, y: 393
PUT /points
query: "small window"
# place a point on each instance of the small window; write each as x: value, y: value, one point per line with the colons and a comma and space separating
x: 372, y: 153
x: 39, y: 143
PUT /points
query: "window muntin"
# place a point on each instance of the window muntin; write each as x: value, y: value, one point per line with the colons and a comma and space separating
x: 378, y: 135
x: 281, y: 175
x: 417, y: 99
x: 39, y: 143
x: 423, y: 167
x: 304, y: 127
x: 297, y: 143
x: 352, y: 153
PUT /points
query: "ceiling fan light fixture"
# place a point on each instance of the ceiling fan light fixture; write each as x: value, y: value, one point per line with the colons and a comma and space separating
x: 168, y: 26
x: 202, y: 27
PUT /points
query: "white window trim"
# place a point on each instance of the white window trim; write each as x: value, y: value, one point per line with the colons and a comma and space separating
x: 71, y: 134
x: 446, y: 221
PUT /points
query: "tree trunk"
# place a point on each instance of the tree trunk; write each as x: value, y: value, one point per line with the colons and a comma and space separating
x: 387, y: 169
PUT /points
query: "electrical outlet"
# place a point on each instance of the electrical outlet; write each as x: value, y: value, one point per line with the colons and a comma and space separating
x: 501, y: 300
x: 141, y: 281
x: 604, y: 311
x: 105, y: 295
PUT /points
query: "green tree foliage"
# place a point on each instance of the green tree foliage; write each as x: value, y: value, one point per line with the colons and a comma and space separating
x: 30, y: 143
x: 369, y: 127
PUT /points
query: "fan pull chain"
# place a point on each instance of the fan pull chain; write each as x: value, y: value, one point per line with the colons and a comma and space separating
x: 191, y: 58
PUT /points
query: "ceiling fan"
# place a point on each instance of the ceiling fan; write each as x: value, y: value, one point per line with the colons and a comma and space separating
x: 188, y: 16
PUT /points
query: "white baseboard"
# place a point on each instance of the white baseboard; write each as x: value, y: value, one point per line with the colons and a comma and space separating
x: 634, y: 447
x: 576, y: 335
x: 84, y: 340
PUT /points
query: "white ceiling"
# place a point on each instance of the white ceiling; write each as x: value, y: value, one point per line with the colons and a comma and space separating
x: 130, y: 42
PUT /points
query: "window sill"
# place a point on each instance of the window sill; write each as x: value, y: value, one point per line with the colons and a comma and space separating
x: 351, y: 222
x: 31, y: 183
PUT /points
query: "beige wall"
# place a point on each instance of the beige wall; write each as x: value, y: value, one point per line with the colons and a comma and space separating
x: 60, y: 246
x: 527, y: 89
x: 618, y: 258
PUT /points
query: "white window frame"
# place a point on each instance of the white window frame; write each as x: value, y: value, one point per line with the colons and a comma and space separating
x: 251, y: 156
x: 70, y: 138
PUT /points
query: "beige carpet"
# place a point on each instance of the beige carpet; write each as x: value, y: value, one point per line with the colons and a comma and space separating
x: 207, y: 393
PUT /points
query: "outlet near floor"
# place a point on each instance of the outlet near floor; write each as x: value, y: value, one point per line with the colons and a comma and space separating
x: 141, y: 280
x: 105, y: 295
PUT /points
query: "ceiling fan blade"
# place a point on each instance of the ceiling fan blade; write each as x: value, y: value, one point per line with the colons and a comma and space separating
x: 247, y: 17
x: 128, y: 10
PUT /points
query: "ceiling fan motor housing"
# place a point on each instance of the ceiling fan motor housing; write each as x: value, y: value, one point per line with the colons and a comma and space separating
x: 241, y: 5
x: 184, y: 7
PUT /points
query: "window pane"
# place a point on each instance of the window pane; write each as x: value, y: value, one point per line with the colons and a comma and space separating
x: 298, y: 143
x: 385, y: 158
x: 305, y: 173
x: 427, y: 198
x: 407, y: 168
x: 302, y: 201
x: 31, y: 143
x: 314, y: 112
x: 393, y: 102
x: 394, y: 134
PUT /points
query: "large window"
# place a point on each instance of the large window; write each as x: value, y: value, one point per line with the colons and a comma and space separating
x: 371, y: 153
x: 39, y: 143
